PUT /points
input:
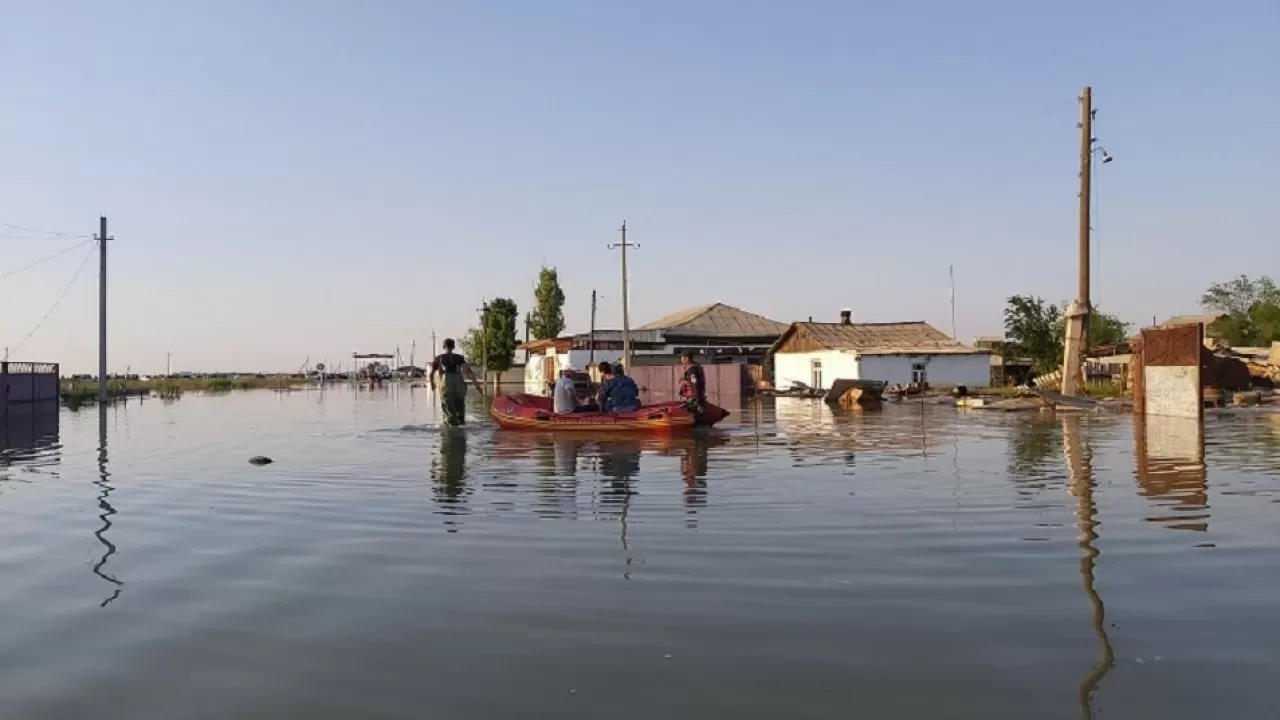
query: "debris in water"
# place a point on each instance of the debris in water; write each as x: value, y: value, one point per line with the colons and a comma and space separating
x: 667, y: 656
x: 260, y: 460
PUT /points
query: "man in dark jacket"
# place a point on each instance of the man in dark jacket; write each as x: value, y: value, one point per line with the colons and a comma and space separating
x: 618, y: 393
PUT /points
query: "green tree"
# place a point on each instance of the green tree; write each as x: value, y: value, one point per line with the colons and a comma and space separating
x: 469, y: 345
x: 1034, y: 330
x: 547, y: 319
x: 1240, y: 295
x: 1250, y: 309
x: 496, y: 342
x: 1104, y: 329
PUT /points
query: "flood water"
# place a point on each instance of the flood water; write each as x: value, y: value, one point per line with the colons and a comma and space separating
x: 800, y: 562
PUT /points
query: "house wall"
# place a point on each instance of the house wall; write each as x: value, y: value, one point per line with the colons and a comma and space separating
x: 789, y: 367
x: 943, y: 370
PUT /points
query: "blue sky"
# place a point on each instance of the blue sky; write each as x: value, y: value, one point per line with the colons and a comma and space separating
x: 290, y: 179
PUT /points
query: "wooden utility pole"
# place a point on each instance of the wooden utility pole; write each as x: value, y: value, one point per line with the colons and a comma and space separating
x: 528, y: 320
x: 1086, y: 175
x: 102, y: 310
x: 626, y: 317
x: 591, y: 347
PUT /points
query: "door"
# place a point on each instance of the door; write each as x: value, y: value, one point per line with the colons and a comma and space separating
x: 815, y: 375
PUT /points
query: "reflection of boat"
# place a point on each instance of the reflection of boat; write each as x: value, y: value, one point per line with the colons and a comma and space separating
x: 506, y: 444
x: 533, y: 412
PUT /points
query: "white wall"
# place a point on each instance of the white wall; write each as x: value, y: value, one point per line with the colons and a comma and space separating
x: 790, y: 367
x: 943, y: 370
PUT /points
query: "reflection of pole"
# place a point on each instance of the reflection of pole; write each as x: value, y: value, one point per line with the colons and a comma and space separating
x: 1080, y: 471
x: 105, y: 507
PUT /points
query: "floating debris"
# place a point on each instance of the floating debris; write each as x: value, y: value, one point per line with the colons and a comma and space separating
x: 260, y: 460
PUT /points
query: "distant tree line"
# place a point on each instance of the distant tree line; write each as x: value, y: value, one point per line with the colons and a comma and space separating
x: 1249, y: 310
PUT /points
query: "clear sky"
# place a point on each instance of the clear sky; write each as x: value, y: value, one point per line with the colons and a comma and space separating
x: 294, y: 179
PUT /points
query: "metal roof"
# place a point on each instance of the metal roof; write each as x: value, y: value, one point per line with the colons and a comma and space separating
x: 896, y: 338
x: 717, y: 320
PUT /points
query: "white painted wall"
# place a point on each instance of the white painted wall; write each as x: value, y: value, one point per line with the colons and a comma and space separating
x: 790, y: 367
x: 943, y: 370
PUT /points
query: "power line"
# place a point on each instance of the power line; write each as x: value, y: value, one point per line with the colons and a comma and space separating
x: 43, y: 260
x: 51, y: 237
x: 38, y: 230
x: 57, y: 302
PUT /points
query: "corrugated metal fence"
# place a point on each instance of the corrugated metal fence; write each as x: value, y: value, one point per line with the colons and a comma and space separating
x: 28, y: 382
x: 661, y: 383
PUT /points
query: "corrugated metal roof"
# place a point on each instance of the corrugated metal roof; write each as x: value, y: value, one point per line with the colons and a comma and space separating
x: 898, y: 338
x: 717, y: 320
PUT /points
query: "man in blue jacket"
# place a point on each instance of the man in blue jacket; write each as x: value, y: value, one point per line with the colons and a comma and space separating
x: 618, y: 393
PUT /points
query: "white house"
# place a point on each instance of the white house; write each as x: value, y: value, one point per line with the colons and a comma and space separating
x: 816, y: 354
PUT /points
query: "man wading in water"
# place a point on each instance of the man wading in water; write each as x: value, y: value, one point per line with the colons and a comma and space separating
x: 452, y: 366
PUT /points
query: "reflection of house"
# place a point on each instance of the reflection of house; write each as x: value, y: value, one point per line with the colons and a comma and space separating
x: 818, y: 353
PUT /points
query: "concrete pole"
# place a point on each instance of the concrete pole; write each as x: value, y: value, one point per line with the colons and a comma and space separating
x: 591, y: 348
x: 626, y: 315
x: 102, y: 311
x: 1086, y: 175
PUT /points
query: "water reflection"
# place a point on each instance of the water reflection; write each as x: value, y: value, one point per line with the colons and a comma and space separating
x: 1031, y: 451
x: 104, y: 484
x: 1170, y: 470
x: 448, y: 478
x: 29, y: 434
x: 1079, y: 460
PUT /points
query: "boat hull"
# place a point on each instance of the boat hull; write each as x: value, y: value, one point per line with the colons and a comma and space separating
x: 533, y: 412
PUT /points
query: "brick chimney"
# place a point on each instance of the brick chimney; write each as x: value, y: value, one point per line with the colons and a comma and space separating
x: 846, y: 317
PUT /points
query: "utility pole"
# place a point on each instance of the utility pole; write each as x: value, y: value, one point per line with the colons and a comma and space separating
x: 102, y: 310
x: 1076, y: 342
x: 951, y: 270
x: 168, y: 363
x: 528, y: 319
x: 590, y: 352
x: 413, y: 349
x: 433, y: 346
x: 1086, y: 176
x: 626, y: 317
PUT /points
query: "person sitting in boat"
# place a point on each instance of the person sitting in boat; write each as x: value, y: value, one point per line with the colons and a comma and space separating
x: 618, y: 393
x: 693, y: 388
x: 565, y: 395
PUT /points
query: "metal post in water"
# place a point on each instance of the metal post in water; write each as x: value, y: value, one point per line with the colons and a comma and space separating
x: 102, y: 310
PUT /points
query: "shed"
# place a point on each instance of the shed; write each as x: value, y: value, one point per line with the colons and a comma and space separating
x: 817, y: 354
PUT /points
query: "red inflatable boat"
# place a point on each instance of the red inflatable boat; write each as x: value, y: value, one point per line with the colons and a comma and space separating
x: 533, y: 412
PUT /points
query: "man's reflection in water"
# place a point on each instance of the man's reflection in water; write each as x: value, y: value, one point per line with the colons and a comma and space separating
x: 448, y: 477
x: 693, y: 471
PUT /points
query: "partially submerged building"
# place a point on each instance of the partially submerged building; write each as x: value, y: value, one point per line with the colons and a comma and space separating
x: 716, y: 334
x: 816, y: 354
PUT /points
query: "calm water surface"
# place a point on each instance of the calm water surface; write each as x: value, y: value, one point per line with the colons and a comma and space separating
x: 798, y: 563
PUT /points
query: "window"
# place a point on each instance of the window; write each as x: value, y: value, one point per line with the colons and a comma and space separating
x: 815, y: 374
x: 918, y: 374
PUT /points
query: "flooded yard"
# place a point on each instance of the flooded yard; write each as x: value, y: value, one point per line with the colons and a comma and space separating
x: 798, y: 562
